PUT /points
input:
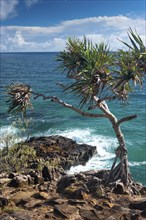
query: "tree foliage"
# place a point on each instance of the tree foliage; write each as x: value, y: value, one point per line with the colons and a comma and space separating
x: 88, y: 66
x: 98, y: 72
x: 18, y: 98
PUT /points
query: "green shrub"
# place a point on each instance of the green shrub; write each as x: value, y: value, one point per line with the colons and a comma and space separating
x: 18, y: 158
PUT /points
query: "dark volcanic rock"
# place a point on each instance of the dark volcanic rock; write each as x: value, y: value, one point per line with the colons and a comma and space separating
x: 141, y: 205
x: 119, y: 188
x: 52, y: 173
x: 46, y: 173
x: 12, y: 175
x: 65, y: 210
x: 15, y: 216
x: 19, y: 181
x: 88, y: 215
x: 62, y: 151
x: 80, y: 196
x: 3, y: 201
x: 78, y: 185
x: 143, y: 190
x: 93, y: 183
x: 65, y: 182
x: 143, y: 213
x: 36, y: 177
x: 75, y: 193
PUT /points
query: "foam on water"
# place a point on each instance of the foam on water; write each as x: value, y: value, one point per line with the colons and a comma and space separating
x: 87, y: 136
x: 9, y: 130
x: 9, y: 135
x: 133, y: 163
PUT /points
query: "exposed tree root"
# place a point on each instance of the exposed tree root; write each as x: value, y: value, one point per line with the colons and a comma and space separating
x: 120, y: 174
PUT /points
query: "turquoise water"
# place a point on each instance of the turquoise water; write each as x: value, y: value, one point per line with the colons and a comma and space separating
x: 39, y: 71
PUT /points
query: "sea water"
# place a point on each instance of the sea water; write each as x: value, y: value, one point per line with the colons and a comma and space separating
x: 39, y: 70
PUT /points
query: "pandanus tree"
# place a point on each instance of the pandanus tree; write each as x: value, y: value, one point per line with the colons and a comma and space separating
x: 97, y: 77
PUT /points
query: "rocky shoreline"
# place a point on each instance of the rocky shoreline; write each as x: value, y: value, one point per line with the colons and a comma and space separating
x: 61, y: 151
x: 49, y: 193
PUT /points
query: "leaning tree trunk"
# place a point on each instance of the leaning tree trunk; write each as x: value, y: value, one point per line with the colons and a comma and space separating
x: 120, y: 172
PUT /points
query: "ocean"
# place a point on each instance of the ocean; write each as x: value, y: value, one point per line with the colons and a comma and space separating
x: 39, y: 70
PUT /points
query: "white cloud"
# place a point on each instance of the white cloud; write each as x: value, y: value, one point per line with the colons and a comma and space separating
x: 53, y: 38
x: 18, y: 43
x: 30, y: 3
x: 86, y: 25
x: 36, y: 30
x: 7, y: 8
x: 17, y: 39
x: 3, y: 47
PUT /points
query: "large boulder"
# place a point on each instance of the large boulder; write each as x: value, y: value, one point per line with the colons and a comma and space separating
x: 3, y: 202
x: 140, y: 204
x: 79, y: 185
x: 19, y: 181
x: 52, y: 173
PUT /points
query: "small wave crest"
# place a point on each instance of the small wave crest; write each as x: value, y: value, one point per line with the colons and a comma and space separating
x: 8, y: 130
x: 134, y: 163
x: 9, y: 135
x: 104, y: 144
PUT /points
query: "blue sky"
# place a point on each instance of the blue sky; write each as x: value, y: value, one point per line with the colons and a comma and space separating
x: 44, y: 25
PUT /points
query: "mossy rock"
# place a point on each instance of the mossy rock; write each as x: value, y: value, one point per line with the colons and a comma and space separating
x: 75, y: 192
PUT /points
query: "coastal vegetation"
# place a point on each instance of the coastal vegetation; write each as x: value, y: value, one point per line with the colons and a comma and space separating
x: 97, y: 77
x: 17, y: 158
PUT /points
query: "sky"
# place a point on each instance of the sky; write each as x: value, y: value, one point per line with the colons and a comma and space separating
x: 45, y: 25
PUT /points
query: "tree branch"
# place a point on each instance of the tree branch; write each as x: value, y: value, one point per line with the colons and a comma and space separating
x: 126, y: 119
x: 104, y: 108
x: 109, y: 98
x: 66, y: 105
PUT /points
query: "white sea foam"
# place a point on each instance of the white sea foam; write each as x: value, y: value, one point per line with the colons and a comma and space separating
x: 9, y: 135
x: 133, y: 163
x: 87, y: 136
x: 8, y: 130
